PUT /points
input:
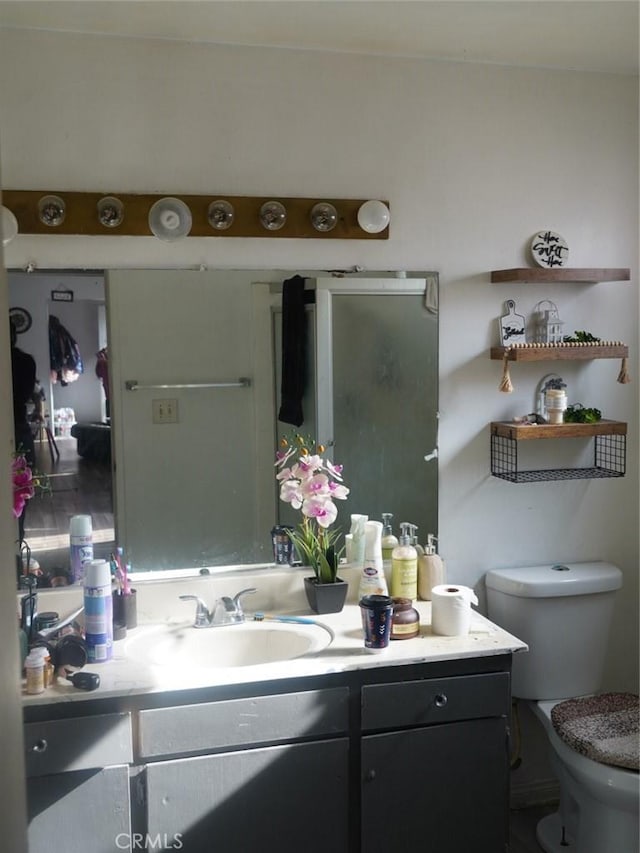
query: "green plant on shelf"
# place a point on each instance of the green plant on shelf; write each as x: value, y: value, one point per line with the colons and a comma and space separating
x: 578, y: 414
x: 581, y: 337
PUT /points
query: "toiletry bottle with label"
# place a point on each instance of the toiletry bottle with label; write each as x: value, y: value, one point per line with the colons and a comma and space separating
x: 372, y: 579
x: 34, y: 667
x: 389, y: 541
x: 98, y: 611
x: 355, y: 545
x: 404, y: 566
x: 81, y: 542
x: 430, y: 570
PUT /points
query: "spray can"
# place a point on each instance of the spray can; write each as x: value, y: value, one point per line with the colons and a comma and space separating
x: 98, y: 611
x: 81, y: 542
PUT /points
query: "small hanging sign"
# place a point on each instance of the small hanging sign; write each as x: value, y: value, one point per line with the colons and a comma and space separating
x: 62, y: 295
x: 512, y: 326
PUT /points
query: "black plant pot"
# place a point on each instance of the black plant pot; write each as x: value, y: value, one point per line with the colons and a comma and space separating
x: 326, y: 597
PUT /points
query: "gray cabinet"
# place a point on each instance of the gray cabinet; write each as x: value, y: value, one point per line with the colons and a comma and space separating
x: 391, y: 758
x: 287, y: 798
x: 440, y: 782
x: 259, y: 779
x: 78, y: 784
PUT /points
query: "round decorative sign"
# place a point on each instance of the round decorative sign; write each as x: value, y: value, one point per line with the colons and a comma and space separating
x: 549, y: 249
x: 20, y: 319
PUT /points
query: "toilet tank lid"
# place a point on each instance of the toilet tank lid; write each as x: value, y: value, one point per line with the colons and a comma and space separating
x: 555, y: 579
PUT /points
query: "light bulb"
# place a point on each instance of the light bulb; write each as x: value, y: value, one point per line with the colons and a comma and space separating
x: 324, y: 216
x: 220, y: 215
x: 273, y: 215
x: 9, y: 226
x: 110, y: 211
x: 373, y: 216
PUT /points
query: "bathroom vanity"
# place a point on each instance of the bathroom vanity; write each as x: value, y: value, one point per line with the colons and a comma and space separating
x: 338, y: 751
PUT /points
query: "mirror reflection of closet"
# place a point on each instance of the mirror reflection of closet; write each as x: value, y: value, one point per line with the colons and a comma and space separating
x: 78, y: 483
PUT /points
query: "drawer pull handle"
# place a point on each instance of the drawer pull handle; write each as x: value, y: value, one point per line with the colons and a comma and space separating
x: 440, y: 700
x: 40, y: 745
x: 371, y: 775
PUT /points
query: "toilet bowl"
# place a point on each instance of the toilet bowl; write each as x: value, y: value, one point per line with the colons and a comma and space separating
x: 563, y: 613
x: 598, y: 810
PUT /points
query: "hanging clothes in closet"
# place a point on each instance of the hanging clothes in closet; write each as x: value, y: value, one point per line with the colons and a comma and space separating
x: 64, y: 354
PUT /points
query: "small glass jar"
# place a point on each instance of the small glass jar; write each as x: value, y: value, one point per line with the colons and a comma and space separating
x: 405, y: 622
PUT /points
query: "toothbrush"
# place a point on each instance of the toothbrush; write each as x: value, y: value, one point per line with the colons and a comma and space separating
x: 300, y: 620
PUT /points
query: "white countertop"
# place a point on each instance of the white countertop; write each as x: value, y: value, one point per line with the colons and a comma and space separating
x: 123, y: 676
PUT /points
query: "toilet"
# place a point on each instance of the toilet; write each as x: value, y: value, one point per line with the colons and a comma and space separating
x: 563, y: 613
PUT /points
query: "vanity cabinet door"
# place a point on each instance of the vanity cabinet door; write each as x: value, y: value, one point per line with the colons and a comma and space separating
x: 80, y: 811
x: 283, y: 798
x: 443, y: 788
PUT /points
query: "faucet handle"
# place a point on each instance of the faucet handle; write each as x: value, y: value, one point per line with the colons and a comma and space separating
x: 203, y: 617
x: 238, y: 604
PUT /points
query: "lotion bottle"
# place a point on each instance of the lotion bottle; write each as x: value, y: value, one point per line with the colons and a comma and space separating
x: 404, y: 566
x: 389, y: 541
x: 430, y: 570
x: 372, y: 579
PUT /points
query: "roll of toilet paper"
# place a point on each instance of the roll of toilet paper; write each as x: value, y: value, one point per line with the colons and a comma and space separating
x: 451, y: 609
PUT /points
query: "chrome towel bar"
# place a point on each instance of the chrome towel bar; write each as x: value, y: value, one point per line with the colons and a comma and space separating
x: 134, y: 385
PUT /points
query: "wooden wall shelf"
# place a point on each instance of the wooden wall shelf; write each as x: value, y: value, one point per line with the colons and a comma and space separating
x: 533, y: 432
x: 541, y: 275
x: 609, y: 451
x: 560, y: 352
x: 81, y: 215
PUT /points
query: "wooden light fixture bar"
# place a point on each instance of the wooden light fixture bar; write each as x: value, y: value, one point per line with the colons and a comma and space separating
x: 81, y: 215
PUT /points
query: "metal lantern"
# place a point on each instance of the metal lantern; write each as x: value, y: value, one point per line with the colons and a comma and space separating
x: 548, y: 327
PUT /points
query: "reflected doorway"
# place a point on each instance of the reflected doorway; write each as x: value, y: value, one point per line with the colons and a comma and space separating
x: 73, y: 445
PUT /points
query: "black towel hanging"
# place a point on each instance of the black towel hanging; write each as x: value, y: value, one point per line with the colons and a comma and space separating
x: 294, y: 351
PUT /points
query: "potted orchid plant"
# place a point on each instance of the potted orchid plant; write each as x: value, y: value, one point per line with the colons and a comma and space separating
x: 312, y: 484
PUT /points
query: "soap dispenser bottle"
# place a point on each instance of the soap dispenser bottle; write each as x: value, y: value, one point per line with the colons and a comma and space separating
x: 404, y: 566
x: 389, y: 541
x: 430, y: 570
x: 372, y: 579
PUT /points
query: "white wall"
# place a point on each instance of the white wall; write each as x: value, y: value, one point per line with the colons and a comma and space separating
x: 474, y: 160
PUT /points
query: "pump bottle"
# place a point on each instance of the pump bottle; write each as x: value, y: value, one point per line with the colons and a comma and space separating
x: 430, y: 570
x: 404, y: 566
x: 389, y: 541
x: 372, y: 579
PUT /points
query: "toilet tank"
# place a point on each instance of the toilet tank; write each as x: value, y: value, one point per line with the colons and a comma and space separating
x: 563, y: 612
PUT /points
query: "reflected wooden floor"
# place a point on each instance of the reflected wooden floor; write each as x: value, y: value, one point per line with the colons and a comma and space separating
x: 78, y: 487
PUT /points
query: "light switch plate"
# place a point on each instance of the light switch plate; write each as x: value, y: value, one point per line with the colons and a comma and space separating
x: 164, y: 411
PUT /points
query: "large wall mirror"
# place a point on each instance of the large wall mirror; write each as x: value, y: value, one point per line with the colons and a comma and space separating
x: 195, y: 360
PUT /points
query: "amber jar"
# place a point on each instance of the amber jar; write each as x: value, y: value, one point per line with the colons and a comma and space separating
x: 405, y: 622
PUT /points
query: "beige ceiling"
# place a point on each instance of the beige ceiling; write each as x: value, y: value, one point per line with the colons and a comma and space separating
x: 570, y: 34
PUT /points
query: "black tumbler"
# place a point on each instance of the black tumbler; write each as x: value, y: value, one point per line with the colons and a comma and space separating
x: 377, y: 616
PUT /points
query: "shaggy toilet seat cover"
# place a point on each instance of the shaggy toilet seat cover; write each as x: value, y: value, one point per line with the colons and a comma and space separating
x: 603, y: 728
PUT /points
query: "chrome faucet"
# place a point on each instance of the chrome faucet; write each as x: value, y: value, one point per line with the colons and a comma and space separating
x: 227, y: 611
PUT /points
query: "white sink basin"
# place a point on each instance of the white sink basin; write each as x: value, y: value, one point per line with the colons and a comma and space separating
x: 248, y: 644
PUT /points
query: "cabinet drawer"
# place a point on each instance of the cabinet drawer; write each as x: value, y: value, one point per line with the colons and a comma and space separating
x: 82, y: 743
x: 240, y: 722
x: 435, y: 700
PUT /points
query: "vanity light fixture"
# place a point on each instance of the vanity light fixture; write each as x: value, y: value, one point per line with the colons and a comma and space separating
x: 324, y: 216
x: 51, y: 210
x: 170, y: 219
x: 8, y: 226
x: 110, y: 211
x: 54, y: 211
x: 273, y: 215
x: 373, y: 216
x: 220, y: 215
